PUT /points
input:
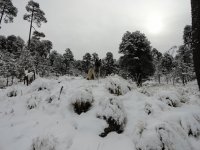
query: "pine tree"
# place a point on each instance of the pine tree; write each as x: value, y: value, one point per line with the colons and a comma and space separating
x: 14, y: 45
x: 87, y: 62
x: 59, y: 65
x: 68, y: 59
x: 38, y: 35
x: 108, y: 66
x: 7, y: 11
x: 25, y: 62
x: 3, y: 42
x: 35, y: 15
x: 137, y: 59
x: 46, y: 48
x: 94, y: 58
x: 52, y: 57
x: 167, y: 63
x: 184, y: 61
x: 157, y: 58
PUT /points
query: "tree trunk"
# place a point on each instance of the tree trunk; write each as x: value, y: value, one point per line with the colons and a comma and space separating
x: 29, y: 39
x: 139, y: 79
x: 183, y: 79
x: 7, y: 81
x: 12, y: 79
x: 2, y: 13
x: 159, y: 78
x: 195, y: 4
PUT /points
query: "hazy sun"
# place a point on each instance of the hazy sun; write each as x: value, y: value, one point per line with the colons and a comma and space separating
x: 154, y: 24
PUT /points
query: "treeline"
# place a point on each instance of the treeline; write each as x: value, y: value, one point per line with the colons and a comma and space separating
x: 139, y: 61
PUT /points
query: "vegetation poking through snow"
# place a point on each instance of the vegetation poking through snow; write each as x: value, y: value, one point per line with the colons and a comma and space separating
x: 45, y: 143
x: 50, y: 99
x: 32, y: 103
x: 171, y: 98
x: 117, y: 86
x: 81, y: 107
x: 41, y: 88
x: 12, y: 93
x: 82, y: 100
x: 112, y: 111
x: 148, y: 108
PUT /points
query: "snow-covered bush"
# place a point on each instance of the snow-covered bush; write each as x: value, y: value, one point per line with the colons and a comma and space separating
x: 50, y: 98
x: 42, y: 84
x: 191, y: 124
x: 117, y: 85
x: 45, y: 143
x: 171, y: 98
x: 112, y: 110
x: 32, y: 102
x: 163, y: 136
x: 12, y: 93
x: 148, y: 108
x: 81, y: 100
x: 144, y: 91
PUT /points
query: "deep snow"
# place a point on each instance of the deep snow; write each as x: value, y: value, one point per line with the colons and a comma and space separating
x: 154, y: 117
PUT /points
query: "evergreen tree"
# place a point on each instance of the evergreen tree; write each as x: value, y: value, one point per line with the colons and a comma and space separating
x: 167, y: 63
x: 87, y: 62
x: 38, y: 35
x: 94, y: 58
x: 25, y: 62
x: 78, y: 64
x: 59, y: 65
x: 7, y: 11
x: 184, y: 61
x: 52, y: 57
x: 14, y: 44
x: 68, y: 59
x: 46, y: 48
x: 108, y: 66
x: 157, y: 58
x: 137, y: 59
x: 40, y: 51
x: 34, y: 15
x: 3, y: 42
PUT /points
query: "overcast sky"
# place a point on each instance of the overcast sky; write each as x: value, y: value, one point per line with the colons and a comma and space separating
x: 98, y: 25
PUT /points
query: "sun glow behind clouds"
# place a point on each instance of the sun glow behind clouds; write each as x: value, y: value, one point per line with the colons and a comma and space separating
x: 154, y: 24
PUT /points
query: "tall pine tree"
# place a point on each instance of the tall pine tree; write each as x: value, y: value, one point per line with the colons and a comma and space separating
x: 7, y: 11
x: 34, y: 15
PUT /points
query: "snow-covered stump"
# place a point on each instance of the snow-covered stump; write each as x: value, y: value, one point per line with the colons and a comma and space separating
x: 112, y: 111
x: 82, y: 100
x: 117, y: 85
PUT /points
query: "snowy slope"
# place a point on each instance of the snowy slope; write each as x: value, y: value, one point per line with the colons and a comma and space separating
x: 152, y: 117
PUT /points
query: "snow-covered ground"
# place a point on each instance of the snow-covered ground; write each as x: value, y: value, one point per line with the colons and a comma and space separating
x: 154, y: 117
